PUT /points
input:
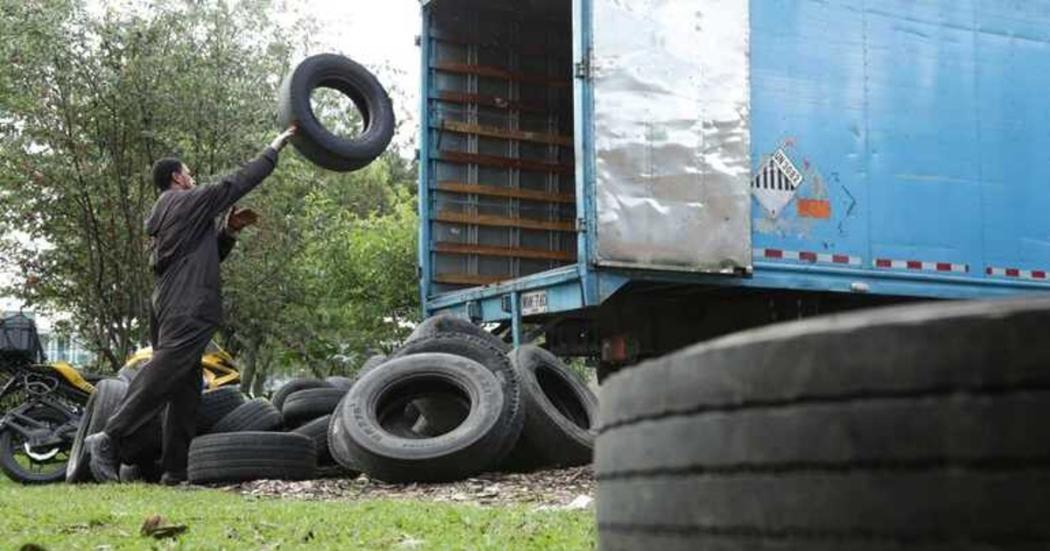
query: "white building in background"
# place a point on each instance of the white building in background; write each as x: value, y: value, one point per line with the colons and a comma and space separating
x: 57, y: 348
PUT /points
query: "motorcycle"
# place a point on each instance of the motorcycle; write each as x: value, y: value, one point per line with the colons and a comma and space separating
x: 43, y: 404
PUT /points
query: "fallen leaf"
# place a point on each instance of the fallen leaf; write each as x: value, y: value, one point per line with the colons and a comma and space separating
x: 158, y: 527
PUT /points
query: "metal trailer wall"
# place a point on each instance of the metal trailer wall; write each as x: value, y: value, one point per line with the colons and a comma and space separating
x: 894, y: 148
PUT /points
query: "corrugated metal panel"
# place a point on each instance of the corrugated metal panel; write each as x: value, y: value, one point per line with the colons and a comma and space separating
x: 501, y: 187
x: 672, y: 133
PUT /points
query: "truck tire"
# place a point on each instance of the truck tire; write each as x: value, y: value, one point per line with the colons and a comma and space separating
x: 447, y: 323
x: 100, y: 406
x: 128, y: 373
x: 243, y: 456
x: 561, y: 413
x: 306, y: 405
x: 317, y: 430
x: 295, y: 385
x: 258, y: 415
x: 317, y: 143
x: 435, y: 414
x: 340, y: 382
x: 216, y: 404
x: 919, y: 427
x: 359, y: 439
x: 372, y: 362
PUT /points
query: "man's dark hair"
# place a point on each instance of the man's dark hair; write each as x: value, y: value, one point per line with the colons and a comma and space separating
x: 162, y: 171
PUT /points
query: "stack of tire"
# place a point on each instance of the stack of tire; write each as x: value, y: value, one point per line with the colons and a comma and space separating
x: 238, y: 438
x: 258, y: 439
x: 456, y: 401
x: 918, y: 427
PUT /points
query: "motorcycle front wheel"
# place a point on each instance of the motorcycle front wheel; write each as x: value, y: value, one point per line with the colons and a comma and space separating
x: 29, y: 465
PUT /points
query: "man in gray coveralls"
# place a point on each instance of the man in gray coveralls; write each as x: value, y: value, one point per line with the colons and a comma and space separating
x: 187, y: 247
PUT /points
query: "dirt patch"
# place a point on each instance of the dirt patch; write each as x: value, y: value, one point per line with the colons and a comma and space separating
x: 566, y: 488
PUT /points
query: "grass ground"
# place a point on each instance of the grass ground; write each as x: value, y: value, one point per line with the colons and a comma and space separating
x: 63, y: 517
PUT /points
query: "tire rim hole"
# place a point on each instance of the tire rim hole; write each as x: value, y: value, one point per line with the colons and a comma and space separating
x: 563, y: 396
x: 421, y: 408
x: 340, y: 113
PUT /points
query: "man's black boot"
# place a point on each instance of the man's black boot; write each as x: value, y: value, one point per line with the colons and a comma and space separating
x: 105, y: 465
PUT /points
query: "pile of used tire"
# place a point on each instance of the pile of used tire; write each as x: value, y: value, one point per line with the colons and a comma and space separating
x: 453, y: 402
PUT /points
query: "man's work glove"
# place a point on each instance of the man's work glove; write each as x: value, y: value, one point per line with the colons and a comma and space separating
x: 238, y: 219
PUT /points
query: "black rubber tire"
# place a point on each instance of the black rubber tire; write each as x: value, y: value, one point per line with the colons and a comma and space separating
x: 244, y: 456
x: 481, y: 351
x: 920, y: 427
x: 295, y: 385
x: 317, y: 431
x: 317, y: 143
x: 306, y: 405
x: 257, y: 415
x: 128, y: 373
x: 561, y: 413
x: 340, y: 382
x: 372, y: 362
x: 447, y: 323
x: 11, y: 440
x: 359, y: 440
x: 100, y: 406
x: 216, y: 404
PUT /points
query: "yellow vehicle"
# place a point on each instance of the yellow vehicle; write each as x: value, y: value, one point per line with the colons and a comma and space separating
x: 218, y: 366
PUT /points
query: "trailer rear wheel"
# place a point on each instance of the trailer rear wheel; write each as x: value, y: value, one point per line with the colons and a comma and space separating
x: 915, y: 427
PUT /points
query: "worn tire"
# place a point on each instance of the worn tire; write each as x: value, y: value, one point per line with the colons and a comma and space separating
x: 295, y: 385
x: 359, y: 439
x: 919, y: 427
x: 306, y: 405
x: 447, y: 323
x: 340, y: 382
x: 216, y: 404
x: 436, y: 418
x: 258, y: 415
x: 561, y: 413
x: 243, y: 456
x: 317, y: 431
x: 317, y: 143
x: 128, y: 373
x: 371, y: 363
x: 100, y: 406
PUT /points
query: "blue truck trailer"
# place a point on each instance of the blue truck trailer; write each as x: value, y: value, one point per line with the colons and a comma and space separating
x: 627, y: 177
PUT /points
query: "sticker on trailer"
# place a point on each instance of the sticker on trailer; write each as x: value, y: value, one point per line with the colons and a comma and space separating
x: 534, y: 303
x: 776, y: 183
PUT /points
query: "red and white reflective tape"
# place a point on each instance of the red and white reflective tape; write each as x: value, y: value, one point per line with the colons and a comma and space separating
x: 1036, y: 275
x: 807, y: 256
x: 919, y: 265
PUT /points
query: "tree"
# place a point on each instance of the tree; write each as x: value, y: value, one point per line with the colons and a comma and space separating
x: 87, y: 105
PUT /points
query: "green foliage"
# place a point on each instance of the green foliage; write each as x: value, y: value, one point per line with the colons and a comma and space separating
x: 88, y: 103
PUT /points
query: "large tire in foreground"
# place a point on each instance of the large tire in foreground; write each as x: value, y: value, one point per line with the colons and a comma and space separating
x: 447, y: 323
x: 100, y: 406
x: 306, y: 405
x: 920, y: 427
x: 243, y: 456
x: 561, y: 413
x: 293, y: 386
x: 313, y: 140
x: 437, y: 416
x: 216, y: 404
x: 258, y: 415
x: 360, y: 439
